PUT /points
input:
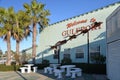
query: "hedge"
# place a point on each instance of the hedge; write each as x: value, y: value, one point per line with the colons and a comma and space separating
x: 86, y: 68
x: 9, y: 68
x: 92, y: 68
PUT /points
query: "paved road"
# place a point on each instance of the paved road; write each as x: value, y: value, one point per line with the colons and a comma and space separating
x: 11, y: 75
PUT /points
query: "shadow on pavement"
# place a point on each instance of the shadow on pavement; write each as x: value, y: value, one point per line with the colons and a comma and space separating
x: 21, y: 75
x: 52, y: 77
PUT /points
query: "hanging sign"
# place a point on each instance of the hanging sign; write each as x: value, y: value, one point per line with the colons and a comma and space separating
x: 72, y: 29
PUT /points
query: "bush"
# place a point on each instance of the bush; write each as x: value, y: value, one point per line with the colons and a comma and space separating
x: 66, y: 61
x: 40, y: 66
x: 9, y: 68
x: 13, y: 63
x: 98, y: 59
x: 45, y: 62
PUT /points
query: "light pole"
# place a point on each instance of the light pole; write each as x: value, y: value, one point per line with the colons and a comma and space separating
x: 42, y: 58
x: 58, y: 52
x: 88, y: 47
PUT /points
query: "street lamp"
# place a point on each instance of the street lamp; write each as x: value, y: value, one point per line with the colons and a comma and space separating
x: 88, y: 47
x: 86, y: 31
x: 58, y: 53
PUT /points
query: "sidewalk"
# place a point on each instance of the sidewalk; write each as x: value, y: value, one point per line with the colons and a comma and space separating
x: 11, y: 75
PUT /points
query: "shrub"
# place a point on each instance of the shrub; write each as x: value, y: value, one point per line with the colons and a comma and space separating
x: 45, y: 62
x: 13, y: 63
x: 40, y: 66
x: 98, y: 59
x: 9, y: 68
x: 66, y: 61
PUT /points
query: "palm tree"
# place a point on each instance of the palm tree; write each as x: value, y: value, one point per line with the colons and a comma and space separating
x: 39, y: 15
x: 20, y: 29
x: 6, y: 16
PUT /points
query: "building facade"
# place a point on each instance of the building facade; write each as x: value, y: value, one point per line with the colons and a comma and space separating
x: 75, y: 49
x: 113, y: 45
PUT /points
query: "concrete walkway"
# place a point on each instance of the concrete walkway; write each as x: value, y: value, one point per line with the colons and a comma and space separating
x: 11, y: 75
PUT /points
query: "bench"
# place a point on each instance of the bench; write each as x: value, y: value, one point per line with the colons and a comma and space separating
x: 76, y: 71
x: 23, y: 69
x: 58, y: 73
x: 35, y: 69
x: 48, y: 70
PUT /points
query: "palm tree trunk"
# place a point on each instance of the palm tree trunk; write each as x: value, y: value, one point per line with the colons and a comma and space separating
x: 8, y: 49
x: 17, y: 52
x: 34, y: 43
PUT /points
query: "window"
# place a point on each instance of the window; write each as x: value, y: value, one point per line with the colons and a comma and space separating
x: 94, y: 51
x: 93, y: 54
x: 66, y: 53
x: 79, y: 53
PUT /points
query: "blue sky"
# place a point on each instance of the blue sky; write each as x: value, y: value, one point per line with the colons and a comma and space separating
x: 59, y: 9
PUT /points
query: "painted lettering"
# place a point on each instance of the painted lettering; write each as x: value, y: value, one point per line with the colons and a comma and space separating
x: 69, y: 25
x: 77, y: 30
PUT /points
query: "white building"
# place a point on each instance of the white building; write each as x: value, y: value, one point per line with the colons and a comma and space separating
x: 75, y: 49
x: 113, y: 45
